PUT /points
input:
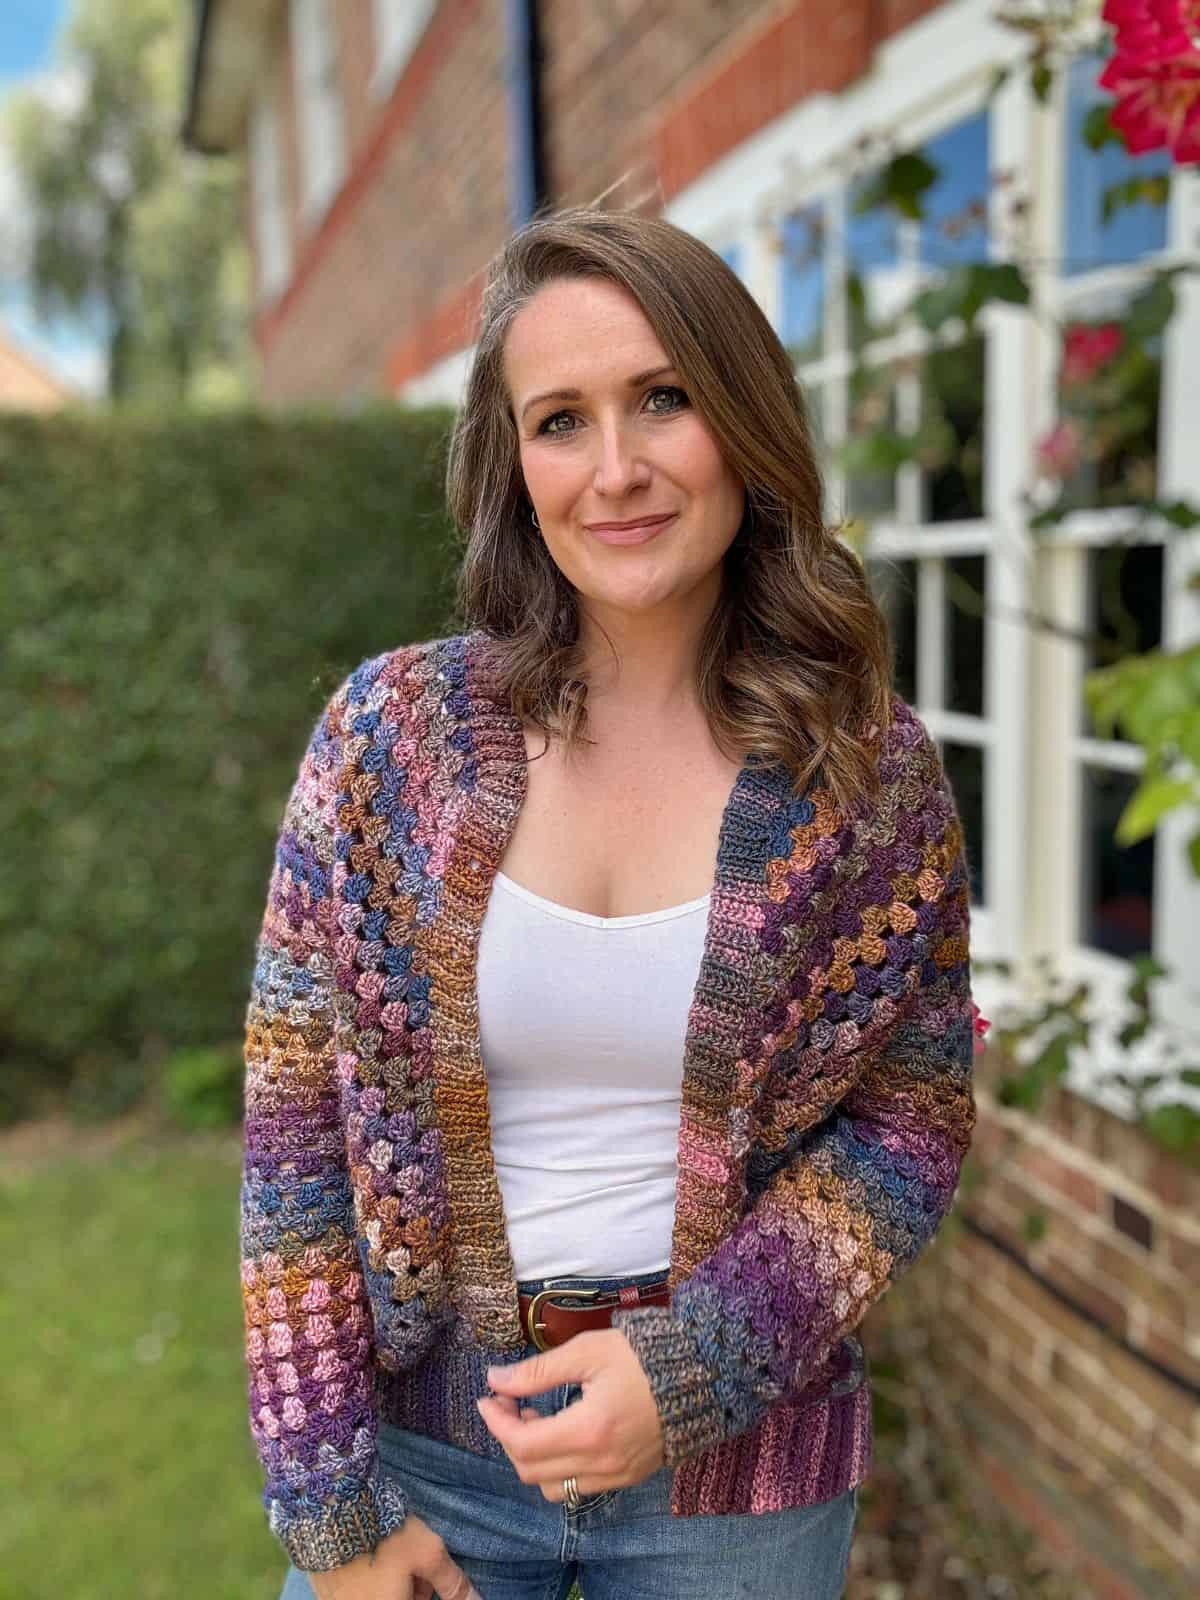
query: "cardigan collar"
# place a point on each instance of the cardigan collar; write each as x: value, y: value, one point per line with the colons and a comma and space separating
x: 727, y: 1045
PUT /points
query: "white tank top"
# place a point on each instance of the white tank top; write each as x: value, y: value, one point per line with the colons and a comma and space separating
x: 582, y: 1021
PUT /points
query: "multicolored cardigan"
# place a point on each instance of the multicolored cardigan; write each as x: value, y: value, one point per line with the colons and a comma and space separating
x: 827, y: 1105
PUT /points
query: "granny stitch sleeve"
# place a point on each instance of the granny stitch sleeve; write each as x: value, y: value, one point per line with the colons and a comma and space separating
x: 878, y: 1074
x: 308, y: 1326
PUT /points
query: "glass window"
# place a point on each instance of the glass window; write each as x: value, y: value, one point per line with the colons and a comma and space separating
x: 319, y: 104
x: 953, y: 384
x: 1133, y: 230
x: 271, y: 237
x: 1124, y: 609
x: 955, y: 225
x: 399, y: 25
x: 1113, y: 405
x: 878, y: 281
x: 802, y: 297
x: 894, y: 585
x: 964, y: 764
x: 870, y: 462
x: 1117, y: 905
x: 965, y: 600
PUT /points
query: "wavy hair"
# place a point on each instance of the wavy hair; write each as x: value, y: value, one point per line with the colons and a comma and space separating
x: 795, y: 659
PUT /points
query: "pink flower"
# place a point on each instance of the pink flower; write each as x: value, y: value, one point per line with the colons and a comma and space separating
x: 1153, y: 29
x: 1087, y: 347
x: 1060, y: 451
x: 1154, y: 73
x: 981, y: 1025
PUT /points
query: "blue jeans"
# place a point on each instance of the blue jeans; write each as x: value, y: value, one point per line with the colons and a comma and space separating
x: 621, y: 1544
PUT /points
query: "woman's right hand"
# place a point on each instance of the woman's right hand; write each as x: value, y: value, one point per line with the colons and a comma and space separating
x: 410, y: 1564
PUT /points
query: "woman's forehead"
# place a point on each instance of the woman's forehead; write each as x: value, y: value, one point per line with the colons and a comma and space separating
x: 575, y: 331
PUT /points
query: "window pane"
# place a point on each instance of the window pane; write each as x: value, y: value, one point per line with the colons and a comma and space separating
x: 1124, y: 609
x: 966, y: 596
x: 802, y: 298
x: 894, y: 585
x: 1109, y: 396
x: 870, y: 467
x: 954, y: 228
x: 1133, y: 230
x: 952, y: 391
x: 964, y: 768
x: 1117, y: 908
x: 878, y: 283
x: 732, y: 257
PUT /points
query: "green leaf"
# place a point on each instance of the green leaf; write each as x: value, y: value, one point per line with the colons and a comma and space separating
x: 1151, y: 310
x: 1041, y: 81
x: 1098, y: 129
x: 1180, y: 513
x: 966, y: 288
x: 1154, y: 190
x: 1050, y: 516
x: 1147, y: 966
x: 900, y: 186
x: 1131, y: 1032
x: 1148, y: 803
x: 877, y: 452
x: 1033, y: 1226
x: 999, y: 78
x: 1175, y: 1125
x: 1194, y: 852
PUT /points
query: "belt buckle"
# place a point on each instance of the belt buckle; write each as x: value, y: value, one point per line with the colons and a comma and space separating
x: 535, y: 1305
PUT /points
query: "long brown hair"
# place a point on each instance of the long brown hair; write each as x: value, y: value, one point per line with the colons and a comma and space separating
x: 794, y: 661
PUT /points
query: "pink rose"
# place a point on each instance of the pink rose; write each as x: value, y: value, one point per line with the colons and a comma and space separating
x: 1089, y: 346
x: 1060, y: 451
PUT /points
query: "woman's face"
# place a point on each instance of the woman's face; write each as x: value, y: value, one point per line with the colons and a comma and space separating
x: 625, y: 444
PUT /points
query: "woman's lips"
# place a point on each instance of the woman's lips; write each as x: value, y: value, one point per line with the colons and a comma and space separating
x: 640, y: 533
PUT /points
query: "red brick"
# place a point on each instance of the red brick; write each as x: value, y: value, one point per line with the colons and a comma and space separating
x: 1182, y: 1254
x: 641, y: 98
x: 1141, y: 1278
x: 1109, y: 1307
x: 1057, y: 1174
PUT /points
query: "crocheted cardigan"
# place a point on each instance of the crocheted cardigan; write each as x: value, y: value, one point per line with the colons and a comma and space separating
x: 827, y: 1105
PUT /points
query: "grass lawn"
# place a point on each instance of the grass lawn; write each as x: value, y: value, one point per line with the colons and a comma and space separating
x: 128, y: 1468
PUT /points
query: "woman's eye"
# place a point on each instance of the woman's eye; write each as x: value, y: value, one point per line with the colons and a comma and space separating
x: 670, y: 389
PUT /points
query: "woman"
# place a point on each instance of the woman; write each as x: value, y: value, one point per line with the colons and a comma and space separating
x: 655, y: 839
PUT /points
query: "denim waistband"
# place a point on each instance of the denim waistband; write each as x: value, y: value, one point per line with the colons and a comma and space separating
x: 573, y: 1281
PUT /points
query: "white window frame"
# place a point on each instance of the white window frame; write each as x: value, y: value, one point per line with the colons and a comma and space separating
x: 922, y: 80
x: 1062, y: 749
x: 319, y: 107
x: 399, y: 26
x: 272, y: 234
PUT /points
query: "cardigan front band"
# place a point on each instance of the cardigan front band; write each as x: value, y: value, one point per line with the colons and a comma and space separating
x: 826, y: 1108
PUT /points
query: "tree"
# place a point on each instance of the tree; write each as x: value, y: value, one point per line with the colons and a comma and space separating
x: 126, y: 223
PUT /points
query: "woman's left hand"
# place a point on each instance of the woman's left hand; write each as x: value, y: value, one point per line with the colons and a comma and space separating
x: 609, y: 1438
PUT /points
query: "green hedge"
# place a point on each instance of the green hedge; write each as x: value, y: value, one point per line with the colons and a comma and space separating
x: 178, y: 598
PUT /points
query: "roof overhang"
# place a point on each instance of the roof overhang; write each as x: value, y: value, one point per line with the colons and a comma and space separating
x: 228, y: 44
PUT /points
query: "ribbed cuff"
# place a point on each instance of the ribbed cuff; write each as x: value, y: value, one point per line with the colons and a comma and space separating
x: 342, y: 1529
x: 688, y: 1407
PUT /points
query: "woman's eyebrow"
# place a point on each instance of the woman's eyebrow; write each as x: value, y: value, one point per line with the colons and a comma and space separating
x: 575, y: 394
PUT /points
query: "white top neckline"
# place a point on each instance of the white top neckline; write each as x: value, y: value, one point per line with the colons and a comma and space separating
x: 588, y: 919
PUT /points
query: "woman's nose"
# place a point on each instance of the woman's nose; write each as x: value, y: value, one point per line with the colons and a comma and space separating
x: 619, y: 467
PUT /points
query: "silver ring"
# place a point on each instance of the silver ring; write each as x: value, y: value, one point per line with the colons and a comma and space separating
x: 571, y: 1494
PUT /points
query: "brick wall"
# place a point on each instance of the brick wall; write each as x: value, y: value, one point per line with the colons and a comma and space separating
x: 637, y: 93
x: 1073, y: 1328
x: 425, y: 201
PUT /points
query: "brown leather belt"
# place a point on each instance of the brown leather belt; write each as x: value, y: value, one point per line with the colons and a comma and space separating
x: 546, y: 1324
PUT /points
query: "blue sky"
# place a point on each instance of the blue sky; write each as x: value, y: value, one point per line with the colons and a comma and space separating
x: 29, y: 30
